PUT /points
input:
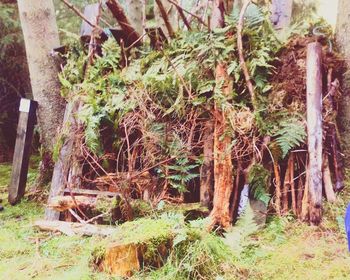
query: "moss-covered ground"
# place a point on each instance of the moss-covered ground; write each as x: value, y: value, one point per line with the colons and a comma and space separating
x: 284, y: 249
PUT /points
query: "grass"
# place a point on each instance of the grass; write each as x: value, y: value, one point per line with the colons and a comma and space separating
x: 284, y: 249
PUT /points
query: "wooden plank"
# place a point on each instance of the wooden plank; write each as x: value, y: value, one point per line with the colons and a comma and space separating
x: 314, y: 128
x: 25, y: 129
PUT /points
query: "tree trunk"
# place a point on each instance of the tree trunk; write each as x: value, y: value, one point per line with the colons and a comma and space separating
x: 281, y: 13
x: 41, y: 37
x: 314, y: 127
x: 223, y: 173
x: 135, y: 14
x: 343, y: 42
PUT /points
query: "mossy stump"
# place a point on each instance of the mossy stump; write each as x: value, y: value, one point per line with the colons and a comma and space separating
x: 137, y: 244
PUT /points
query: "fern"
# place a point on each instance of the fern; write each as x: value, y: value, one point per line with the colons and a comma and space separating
x: 258, y: 179
x: 290, y: 135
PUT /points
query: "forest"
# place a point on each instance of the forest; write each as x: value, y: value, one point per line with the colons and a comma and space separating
x: 171, y: 139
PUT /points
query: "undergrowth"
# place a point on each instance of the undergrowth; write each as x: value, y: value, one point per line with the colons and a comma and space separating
x: 284, y: 249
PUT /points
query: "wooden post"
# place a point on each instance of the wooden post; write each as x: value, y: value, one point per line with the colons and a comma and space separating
x: 62, y: 165
x: 25, y: 128
x: 314, y: 128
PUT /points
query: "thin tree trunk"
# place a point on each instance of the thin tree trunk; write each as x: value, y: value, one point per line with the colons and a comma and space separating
x: 314, y: 127
x: 41, y: 37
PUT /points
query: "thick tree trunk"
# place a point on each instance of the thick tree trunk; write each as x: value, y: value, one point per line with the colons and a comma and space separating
x: 314, y: 127
x: 343, y: 42
x: 281, y: 13
x: 223, y: 169
x: 135, y: 14
x: 41, y: 37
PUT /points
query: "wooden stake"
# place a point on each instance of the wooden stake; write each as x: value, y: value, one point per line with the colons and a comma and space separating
x: 278, y: 188
x: 292, y: 184
x: 327, y: 180
x: 305, y: 203
x: 314, y: 127
x: 21, y: 155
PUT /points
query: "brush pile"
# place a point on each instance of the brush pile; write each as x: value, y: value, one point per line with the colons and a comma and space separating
x: 178, y: 123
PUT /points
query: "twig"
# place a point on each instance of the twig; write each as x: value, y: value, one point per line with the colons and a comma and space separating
x: 182, y: 15
x: 241, y: 55
x: 80, y: 14
x: 75, y: 215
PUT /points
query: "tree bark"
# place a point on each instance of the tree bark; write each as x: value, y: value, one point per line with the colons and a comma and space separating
x: 343, y: 42
x: 223, y: 169
x: 41, y: 37
x: 135, y: 14
x: 314, y: 127
x: 206, y: 172
x: 281, y: 13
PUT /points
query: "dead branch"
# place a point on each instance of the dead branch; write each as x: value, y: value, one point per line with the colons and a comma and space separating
x: 241, y: 55
x: 165, y: 18
x: 123, y: 21
x: 179, y: 8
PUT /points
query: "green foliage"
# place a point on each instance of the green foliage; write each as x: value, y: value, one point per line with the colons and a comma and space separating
x: 291, y: 134
x: 180, y: 173
x: 259, y: 182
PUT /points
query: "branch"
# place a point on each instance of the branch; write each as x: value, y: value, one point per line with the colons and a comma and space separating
x: 75, y: 10
x: 182, y: 15
x: 188, y: 12
x: 241, y: 55
x: 123, y: 21
x: 165, y: 18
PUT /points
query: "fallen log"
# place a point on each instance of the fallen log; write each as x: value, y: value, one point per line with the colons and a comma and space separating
x: 72, y: 229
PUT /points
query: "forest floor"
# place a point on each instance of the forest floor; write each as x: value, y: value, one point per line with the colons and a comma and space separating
x: 284, y: 249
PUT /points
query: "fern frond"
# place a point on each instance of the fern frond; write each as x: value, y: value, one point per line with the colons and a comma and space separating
x: 291, y: 134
